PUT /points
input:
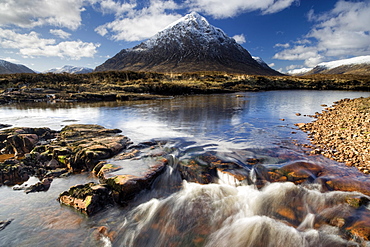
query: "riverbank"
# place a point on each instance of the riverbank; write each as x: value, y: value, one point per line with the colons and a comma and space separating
x: 125, y: 85
x: 342, y: 133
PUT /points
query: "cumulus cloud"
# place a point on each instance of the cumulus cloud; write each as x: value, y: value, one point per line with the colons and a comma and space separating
x: 140, y: 24
x: 240, y: 39
x: 224, y: 9
x: 343, y: 31
x: 60, y: 33
x: 28, y: 14
x: 31, y: 45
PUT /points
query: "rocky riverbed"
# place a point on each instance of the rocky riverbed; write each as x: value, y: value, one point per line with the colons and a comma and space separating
x: 342, y: 133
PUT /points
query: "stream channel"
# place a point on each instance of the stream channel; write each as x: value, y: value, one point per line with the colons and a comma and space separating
x: 174, y: 212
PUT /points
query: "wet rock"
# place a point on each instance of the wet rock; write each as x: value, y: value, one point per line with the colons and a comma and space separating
x: 44, y: 185
x: 81, y: 147
x: 359, y: 184
x: 13, y: 172
x: 297, y: 172
x: 2, y: 126
x: 77, y: 147
x: 20, y: 141
x: 87, y: 198
x: 126, y: 187
x: 210, y: 168
x: 4, y: 224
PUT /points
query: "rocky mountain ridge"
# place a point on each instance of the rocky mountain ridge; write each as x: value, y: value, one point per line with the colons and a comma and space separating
x: 70, y: 69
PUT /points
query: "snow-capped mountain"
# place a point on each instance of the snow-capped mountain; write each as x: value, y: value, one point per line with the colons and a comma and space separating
x: 356, y: 65
x: 187, y: 45
x: 70, y: 69
x: 12, y: 68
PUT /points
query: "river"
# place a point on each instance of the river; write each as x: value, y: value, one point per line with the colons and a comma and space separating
x: 261, y: 123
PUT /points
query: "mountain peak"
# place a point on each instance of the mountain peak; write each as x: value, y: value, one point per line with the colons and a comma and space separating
x: 187, y: 45
x: 192, y: 19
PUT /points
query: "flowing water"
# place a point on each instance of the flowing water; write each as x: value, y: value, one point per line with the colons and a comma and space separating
x: 180, y: 213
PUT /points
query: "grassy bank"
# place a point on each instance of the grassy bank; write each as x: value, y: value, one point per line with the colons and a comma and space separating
x: 126, y: 85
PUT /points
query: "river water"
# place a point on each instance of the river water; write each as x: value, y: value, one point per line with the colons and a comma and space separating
x: 261, y: 123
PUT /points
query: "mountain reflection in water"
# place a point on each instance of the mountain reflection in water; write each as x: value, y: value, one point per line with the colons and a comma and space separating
x: 180, y: 213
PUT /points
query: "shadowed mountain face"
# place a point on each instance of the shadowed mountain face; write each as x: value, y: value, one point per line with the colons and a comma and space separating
x: 11, y: 68
x: 188, y: 45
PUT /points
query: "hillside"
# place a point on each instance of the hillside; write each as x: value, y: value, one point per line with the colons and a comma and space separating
x: 12, y: 68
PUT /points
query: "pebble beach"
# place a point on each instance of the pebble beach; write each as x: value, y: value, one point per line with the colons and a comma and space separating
x: 342, y: 133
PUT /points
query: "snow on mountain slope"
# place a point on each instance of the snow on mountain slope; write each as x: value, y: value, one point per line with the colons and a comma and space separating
x: 69, y: 69
x: 260, y: 61
x: 349, y: 61
x: 356, y: 65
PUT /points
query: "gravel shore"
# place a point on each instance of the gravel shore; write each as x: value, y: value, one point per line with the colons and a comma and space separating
x: 342, y: 133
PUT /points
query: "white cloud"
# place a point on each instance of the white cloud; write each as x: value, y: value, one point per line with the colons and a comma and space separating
x: 31, y: 45
x: 28, y: 14
x: 286, y: 45
x: 271, y: 65
x: 309, y: 54
x: 110, y: 6
x: 341, y: 32
x: 140, y: 24
x: 9, y: 59
x: 230, y: 8
x: 240, y: 39
x: 60, y: 33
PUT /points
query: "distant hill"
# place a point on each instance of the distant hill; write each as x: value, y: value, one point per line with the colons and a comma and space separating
x: 12, y: 68
x: 188, y: 45
x: 70, y: 69
x: 355, y: 66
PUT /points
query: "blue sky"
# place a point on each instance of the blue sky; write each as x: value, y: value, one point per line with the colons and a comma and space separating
x: 286, y: 34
